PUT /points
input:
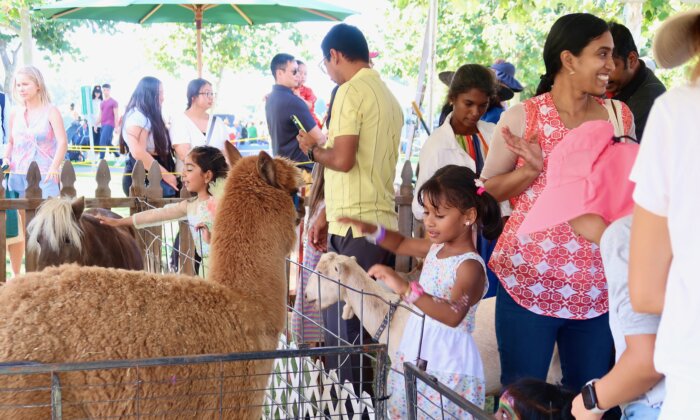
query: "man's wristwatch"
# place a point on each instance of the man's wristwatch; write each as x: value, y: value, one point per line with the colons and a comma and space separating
x: 310, y: 153
x: 590, y: 399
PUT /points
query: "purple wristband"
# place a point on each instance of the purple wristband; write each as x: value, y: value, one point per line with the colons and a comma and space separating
x: 378, y: 236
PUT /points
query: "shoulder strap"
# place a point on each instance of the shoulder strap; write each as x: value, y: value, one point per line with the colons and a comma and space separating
x: 615, y: 115
x: 210, y: 129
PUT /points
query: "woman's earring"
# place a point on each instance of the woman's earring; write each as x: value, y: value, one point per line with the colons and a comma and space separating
x: 571, y: 73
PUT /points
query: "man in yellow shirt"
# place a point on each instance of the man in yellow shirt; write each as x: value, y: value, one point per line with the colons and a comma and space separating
x: 360, y: 159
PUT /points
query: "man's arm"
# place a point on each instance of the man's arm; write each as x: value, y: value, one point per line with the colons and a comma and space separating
x: 341, y: 157
x: 116, y: 114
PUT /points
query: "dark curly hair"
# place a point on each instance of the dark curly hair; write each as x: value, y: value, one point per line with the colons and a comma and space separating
x: 455, y: 186
x: 210, y: 158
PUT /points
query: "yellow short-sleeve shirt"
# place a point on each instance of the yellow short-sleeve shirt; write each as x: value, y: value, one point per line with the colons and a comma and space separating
x: 364, y: 106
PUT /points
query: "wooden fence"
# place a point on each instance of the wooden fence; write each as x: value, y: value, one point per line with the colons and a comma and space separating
x: 142, y: 192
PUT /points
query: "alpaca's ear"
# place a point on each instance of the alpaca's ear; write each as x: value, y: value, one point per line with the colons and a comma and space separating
x: 266, y: 169
x: 348, y: 313
x: 353, y: 258
x: 231, y: 154
x: 78, y: 206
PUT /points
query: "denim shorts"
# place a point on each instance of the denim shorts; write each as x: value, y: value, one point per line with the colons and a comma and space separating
x: 18, y: 184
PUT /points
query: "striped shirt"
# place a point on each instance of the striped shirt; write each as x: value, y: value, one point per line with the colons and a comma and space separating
x: 364, y: 107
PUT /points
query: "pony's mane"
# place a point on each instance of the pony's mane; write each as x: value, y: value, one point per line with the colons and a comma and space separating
x: 54, y: 218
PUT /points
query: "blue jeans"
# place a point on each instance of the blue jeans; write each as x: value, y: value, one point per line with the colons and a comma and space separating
x: 526, y: 343
x: 640, y: 411
x: 106, y: 134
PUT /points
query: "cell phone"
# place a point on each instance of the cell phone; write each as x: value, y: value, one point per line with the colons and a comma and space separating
x: 296, y: 122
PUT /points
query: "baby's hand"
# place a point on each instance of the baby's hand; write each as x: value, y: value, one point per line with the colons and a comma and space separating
x: 390, y: 278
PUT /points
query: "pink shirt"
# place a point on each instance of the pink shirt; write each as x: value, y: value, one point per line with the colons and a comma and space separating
x: 33, y: 140
x: 553, y: 272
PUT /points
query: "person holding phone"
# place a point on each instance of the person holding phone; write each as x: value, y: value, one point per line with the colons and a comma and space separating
x: 282, y: 104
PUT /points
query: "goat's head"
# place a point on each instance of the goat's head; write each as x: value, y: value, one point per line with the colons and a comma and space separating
x: 325, y: 292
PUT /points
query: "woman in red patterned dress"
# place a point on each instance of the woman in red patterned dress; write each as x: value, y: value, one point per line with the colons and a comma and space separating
x: 553, y: 285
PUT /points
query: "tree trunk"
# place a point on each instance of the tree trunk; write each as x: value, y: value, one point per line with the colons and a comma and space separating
x: 8, y: 56
x: 26, y: 36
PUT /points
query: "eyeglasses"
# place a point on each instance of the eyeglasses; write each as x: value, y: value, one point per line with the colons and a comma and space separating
x: 208, y: 94
x: 322, y: 66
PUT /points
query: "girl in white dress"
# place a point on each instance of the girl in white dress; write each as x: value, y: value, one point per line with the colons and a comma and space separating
x: 451, y: 285
x: 204, y: 165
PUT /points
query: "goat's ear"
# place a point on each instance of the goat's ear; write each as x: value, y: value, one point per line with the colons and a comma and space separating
x: 231, y: 154
x: 266, y: 169
x: 78, y: 206
x: 348, y: 313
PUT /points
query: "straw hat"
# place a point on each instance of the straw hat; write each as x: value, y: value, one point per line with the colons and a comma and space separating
x: 674, y: 43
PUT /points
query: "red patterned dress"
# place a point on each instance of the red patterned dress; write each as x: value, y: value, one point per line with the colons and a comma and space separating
x: 553, y: 272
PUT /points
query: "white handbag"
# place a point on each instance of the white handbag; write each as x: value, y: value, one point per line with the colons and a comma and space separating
x: 614, y: 108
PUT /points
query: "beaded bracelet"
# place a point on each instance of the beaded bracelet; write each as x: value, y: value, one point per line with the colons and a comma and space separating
x: 378, y: 236
x: 415, y: 291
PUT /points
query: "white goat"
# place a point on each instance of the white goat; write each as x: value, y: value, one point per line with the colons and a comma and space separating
x: 373, y: 312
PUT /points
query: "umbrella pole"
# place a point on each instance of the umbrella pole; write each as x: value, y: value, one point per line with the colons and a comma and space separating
x: 198, y: 15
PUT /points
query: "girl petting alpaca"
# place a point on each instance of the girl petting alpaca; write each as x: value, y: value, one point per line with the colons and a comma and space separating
x: 204, y: 165
x: 451, y: 285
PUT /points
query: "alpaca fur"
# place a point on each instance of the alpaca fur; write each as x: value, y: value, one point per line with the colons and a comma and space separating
x: 76, y: 314
x: 349, y: 273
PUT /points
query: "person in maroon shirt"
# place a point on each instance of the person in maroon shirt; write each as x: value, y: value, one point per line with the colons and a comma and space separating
x: 109, y: 112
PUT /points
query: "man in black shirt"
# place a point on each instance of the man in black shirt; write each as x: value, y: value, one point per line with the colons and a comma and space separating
x: 281, y: 104
x: 632, y: 82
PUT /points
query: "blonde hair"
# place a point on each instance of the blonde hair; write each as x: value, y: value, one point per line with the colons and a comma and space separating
x: 35, y: 76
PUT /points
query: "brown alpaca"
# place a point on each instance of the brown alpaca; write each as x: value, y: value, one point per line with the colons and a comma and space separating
x: 75, y: 314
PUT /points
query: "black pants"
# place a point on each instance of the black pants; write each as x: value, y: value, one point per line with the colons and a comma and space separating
x: 349, y: 330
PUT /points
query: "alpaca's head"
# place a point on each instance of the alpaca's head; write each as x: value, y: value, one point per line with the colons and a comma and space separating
x: 325, y: 292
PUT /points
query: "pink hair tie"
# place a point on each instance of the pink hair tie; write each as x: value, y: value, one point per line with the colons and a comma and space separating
x: 480, y: 189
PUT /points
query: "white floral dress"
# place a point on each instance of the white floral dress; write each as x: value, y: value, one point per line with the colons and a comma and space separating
x: 452, y: 355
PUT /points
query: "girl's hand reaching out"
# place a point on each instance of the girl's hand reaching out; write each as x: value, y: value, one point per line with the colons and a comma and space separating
x: 113, y: 222
x: 390, y: 278
x: 365, y: 228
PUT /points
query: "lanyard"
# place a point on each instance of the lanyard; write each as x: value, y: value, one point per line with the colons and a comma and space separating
x: 474, y: 148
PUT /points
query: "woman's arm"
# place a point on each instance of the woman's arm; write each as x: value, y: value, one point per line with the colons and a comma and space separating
x: 650, y: 261
x: 61, y: 144
x: 393, y: 241
x: 466, y: 292
x: 7, y: 157
x: 181, y: 150
x: 137, y: 139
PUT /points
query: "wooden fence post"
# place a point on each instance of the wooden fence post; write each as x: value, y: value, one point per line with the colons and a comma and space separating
x: 103, y: 177
x: 154, y: 239
x: 404, y: 201
x: 33, y: 191
x: 68, y: 180
x: 136, y: 191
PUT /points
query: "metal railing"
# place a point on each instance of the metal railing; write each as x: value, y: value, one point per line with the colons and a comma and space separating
x: 420, y: 384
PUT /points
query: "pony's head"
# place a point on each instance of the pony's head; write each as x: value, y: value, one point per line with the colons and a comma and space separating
x: 54, y: 234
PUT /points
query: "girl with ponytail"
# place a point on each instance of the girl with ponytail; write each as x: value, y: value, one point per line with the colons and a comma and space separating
x: 553, y: 287
x: 452, y: 283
